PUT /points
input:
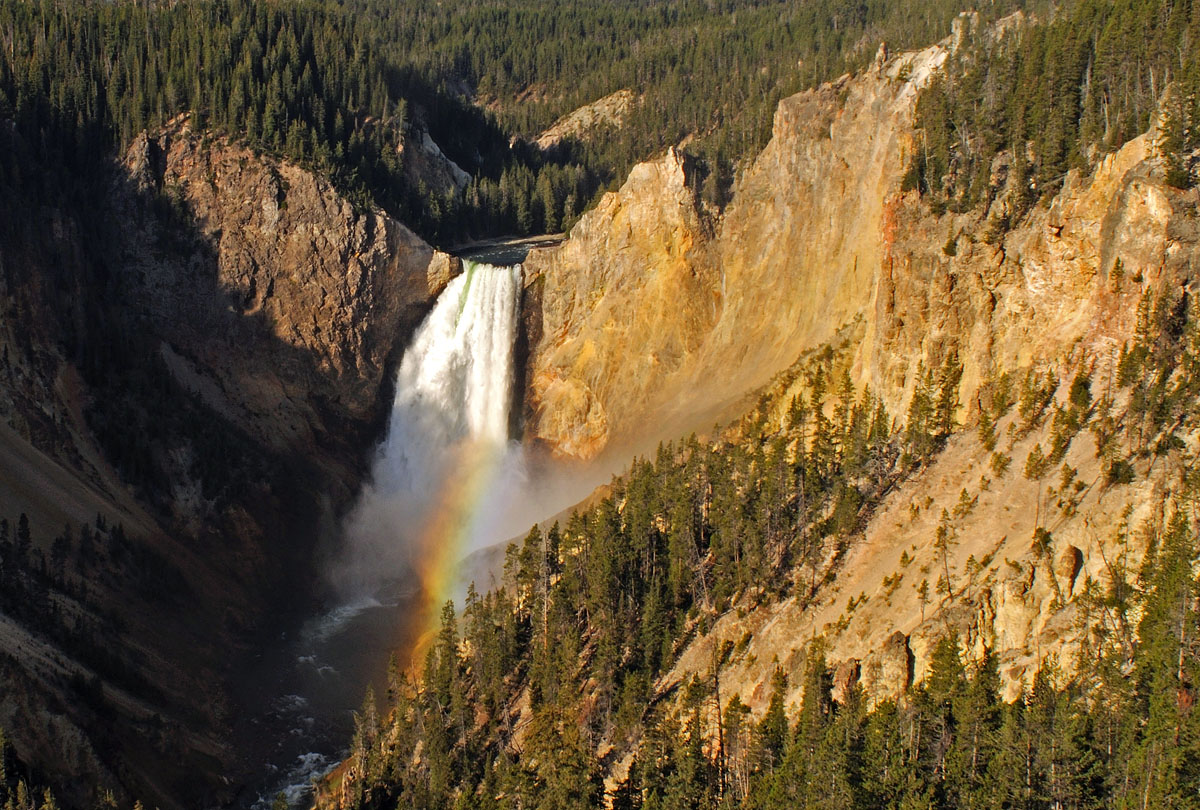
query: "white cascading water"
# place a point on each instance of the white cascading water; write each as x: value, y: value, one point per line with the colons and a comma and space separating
x: 447, y: 480
x: 444, y: 472
x: 455, y: 381
x: 451, y: 408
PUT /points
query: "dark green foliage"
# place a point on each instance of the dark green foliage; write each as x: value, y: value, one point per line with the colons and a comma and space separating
x: 1119, y: 471
x: 591, y: 615
x: 1177, y: 134
x: 1016, y: 113
x: 338, y: 87
x: 19, y: 788
x: 305, y: 81
x: 931, y: 409
x: 713, y: 71
x: 52, y: 596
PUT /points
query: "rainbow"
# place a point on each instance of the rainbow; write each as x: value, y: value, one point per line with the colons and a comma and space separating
x: 451, y: 523
x: 445, y: 456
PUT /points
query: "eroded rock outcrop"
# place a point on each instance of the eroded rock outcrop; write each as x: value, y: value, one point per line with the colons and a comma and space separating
x: 806, y: 233
x: 718, y: 309
x: 294, y: 305
x: 583, y: 123
x: 1001, y: 303
x: 624, y: 305
x: 425, y: 162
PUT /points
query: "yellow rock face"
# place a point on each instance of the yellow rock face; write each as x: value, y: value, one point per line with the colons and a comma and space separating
x: 656, y: 314
x: 625, y: 302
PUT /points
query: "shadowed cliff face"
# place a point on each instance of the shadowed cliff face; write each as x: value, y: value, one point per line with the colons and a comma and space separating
x: 202, y: 354
x: 281, y: 310
x: 290, y: 320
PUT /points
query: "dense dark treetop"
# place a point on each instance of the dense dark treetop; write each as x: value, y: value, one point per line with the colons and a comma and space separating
x: 335, y: 86
x: 518, y: 694
x: 1059, y: 95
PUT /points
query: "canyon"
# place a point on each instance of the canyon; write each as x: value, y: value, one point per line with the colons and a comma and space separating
x: 255, y: 315
x: 270, y: 311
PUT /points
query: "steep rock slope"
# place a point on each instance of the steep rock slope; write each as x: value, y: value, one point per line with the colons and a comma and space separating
x: 1064, y: 292
x: 581, y: 124
x: 288, y: 320
x: 821, y: 240
x: 819, y: 235
x: 194, y: 367
x: 1017, y: 595
x: 1037, y: 291
x: 624, y: 303
x: 803, y: 240
x: 792, y: 260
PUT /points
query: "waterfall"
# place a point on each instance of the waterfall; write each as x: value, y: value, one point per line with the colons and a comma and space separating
x: 455, y: 381
x: 447, y: 441
x: 442, y: 478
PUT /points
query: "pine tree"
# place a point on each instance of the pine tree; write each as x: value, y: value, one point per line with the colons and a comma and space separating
x: 919, y: 434
x: 773, y: 728
x: 1172, y: 139
x: 945, y: 539
x: 976, y: 716
x: 1036, y: 467
x: 949, y: 377
x: 24, y: 542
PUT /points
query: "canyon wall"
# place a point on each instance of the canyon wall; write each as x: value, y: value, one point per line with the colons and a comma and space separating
x: 719, y: 305
x: 821, y: 245
x: 201, y: 355
x: 624, y: 305
x: 654, y: 311
x: 296, y: 304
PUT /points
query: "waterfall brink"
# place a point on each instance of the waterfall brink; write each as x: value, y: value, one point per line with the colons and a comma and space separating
x: 447, y: 443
